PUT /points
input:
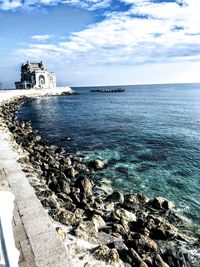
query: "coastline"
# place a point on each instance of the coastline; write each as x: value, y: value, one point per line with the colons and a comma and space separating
x: 130, y: 214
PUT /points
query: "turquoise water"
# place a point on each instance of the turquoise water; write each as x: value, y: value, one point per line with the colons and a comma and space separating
x: 149, y: 137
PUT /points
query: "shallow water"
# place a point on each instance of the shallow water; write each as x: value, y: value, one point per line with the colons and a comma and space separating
x: 149, y: 137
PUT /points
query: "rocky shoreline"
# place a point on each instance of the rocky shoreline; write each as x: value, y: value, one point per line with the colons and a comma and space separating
x: 126, y: 229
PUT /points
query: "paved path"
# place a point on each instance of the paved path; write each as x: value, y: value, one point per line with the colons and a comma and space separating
x: 34, y: 234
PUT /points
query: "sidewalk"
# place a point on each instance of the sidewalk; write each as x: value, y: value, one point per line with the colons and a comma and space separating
x: 35, y: 237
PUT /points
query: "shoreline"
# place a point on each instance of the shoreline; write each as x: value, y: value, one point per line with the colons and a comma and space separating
x: 129, y: 223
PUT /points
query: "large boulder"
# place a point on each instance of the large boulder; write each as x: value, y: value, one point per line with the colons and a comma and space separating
x: 87, y: 231
x: 81, y: 167
x: 97, y: 164
x: 142, y: 244
x: 84, y: 184
x: 162, y: 203
x: 125, y: 215
x: 110, y: 256
x: 136, y: 260
x: 71, y: 172
x: 98, y: 221
x: 160, y: 228
x: 159, y: 262
x: 64, y: 216
x: 120, y: 229
x: 64, y: 186
x: 116, y: 196
x: 131, y: 200
x: 105, y: 238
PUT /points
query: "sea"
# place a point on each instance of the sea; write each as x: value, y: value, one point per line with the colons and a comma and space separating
x: 148, y: 136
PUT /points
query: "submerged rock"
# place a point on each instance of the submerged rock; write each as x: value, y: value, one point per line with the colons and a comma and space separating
x: 97, y: 164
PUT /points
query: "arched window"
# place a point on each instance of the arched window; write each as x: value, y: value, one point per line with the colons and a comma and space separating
x: 41, y: 80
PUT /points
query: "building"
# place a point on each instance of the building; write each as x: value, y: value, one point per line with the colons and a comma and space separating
x: 35, y: 75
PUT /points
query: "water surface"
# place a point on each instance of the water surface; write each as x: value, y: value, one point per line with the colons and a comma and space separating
x: 149, y: 137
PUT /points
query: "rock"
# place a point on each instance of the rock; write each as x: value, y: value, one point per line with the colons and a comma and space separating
x: 98, y: 221
x: 130, y: 200
x: 87, y: 231
x: 122, y: 214
x: 68, y: 161
x: 24, y: 160
x: 61, y: 232
x: 116, y: 196
x: 119, y: 246
x: 105, y: 238
x: 76, y: 195
x: 160, y: 228
x: 126, y: 264
x: 38, y: 138
x: 177, y: 258
x: 64, y: 186
x: 54, y: 186
x: 81, y: 167
x: 65, y: 202
x: 110, y: 256
x: 137, y: 261
x: 84, y: 184
x: 71, y: 172
x: 109, y: 207
x: 64, y: 216
x: 118, y: 228
x: 78, y: 159
x: 142, y: 243
x: 50, y: 203
x: 159, y: 262
x: 79, y: 213
x: 44, y: 193
x: 162, y: 203
x: 97, y: 164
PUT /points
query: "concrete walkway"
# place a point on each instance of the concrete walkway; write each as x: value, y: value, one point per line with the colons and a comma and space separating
x: 35, y: 237
x: 34, y: 234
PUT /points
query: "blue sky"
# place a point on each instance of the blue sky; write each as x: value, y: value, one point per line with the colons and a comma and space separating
x: 102, y: 42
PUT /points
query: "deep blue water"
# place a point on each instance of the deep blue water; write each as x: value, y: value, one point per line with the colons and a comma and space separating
x: 149, y: 137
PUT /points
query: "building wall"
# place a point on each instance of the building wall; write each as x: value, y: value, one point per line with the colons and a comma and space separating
x: 36, y: 78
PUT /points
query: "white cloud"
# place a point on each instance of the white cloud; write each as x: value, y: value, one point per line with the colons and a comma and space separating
x: 7, y: 4
x: 42, y: 38
x: 169, y: 32
x: 161, y: 34
x: 27, y: 4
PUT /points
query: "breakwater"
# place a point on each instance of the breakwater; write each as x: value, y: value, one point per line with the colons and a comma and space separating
x: 130, y: 228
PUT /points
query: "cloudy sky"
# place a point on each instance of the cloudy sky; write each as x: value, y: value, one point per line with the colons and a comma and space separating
x: 102, y: 42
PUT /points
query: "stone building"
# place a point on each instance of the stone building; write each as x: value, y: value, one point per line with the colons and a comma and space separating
x: 35, y: 75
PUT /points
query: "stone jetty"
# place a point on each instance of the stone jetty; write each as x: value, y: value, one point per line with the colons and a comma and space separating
x: 116, y: 229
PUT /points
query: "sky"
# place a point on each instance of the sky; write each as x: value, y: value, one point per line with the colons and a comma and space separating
x: 102, y: 42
